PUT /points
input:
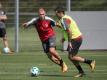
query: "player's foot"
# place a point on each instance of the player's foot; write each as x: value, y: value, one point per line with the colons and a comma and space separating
x: 64, y: 67
x: 92, y: 65
x: 80, y: 75
x: 10, y: 51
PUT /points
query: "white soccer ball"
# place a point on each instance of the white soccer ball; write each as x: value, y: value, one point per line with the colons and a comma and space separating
x: 6, y: 50
x: 34, y: 71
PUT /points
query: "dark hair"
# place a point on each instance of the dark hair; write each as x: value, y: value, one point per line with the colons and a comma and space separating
x: 60, y: 9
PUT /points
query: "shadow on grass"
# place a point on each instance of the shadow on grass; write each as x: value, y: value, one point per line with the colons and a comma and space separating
x: 55, y: 75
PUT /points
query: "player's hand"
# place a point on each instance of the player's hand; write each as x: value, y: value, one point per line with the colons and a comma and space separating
x: 70, y: 45
x: 24, y: 25
x: 58, y: 25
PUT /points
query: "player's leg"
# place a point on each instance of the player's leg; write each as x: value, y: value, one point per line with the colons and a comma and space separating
x: 75, y: 58
x: 57, y: 58
x: 54, y: 53
x: 4, y: 37
x: 77, y: 65
x: 54, y: 57
x: 49, y: 48
x: 91, y: 63
x: 5, y: 41
x: 51, y: 57
x: 84, y: 60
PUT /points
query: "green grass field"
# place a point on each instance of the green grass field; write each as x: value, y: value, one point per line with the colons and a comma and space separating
x: 17, y: 66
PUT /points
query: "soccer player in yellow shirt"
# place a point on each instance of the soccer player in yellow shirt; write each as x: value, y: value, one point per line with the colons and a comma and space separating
x: 74, y: 41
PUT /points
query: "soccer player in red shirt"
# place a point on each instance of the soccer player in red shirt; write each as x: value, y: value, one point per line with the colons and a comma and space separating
x: 43, y: 25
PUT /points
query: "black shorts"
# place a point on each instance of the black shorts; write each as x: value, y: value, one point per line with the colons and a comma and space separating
x: 48, y: 44
x: 2, y: 32
x: 76, y: 43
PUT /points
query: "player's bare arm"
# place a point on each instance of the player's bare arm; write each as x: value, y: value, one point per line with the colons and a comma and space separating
x: 69, y: 32
x: 26, y: 24
x: 58, y: 24
x: 66, y: 23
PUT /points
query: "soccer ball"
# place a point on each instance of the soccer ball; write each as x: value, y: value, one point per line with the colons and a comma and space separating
x: 6, y: 50
x: 34, y: 71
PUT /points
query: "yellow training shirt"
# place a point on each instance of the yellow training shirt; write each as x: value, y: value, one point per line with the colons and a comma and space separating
x: 68, y: 22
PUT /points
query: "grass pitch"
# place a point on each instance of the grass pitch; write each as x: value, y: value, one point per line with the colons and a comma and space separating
x: 17, y: 66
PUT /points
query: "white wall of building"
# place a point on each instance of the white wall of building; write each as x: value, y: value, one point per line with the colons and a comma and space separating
x: 93, y: 25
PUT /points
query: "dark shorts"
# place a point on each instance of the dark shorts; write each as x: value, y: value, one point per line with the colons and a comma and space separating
x: 48, y: 44
x: 2, y: 32
x: 76, y: 43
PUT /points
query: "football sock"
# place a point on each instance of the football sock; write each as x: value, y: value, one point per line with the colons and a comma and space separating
x: 79, y: 69
x: 87, y: 61
x: 61, y: 62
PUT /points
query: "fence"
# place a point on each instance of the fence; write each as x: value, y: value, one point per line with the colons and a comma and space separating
x: 28, y: 8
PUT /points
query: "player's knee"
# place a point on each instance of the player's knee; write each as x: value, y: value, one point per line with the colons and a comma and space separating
x: 71, y: 57
x: 5, y: 39
x: 52, y: 50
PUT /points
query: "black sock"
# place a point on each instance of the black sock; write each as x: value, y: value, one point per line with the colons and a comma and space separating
x: 87, y: 61
x: 80, y: 69
x: 61, y: 62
